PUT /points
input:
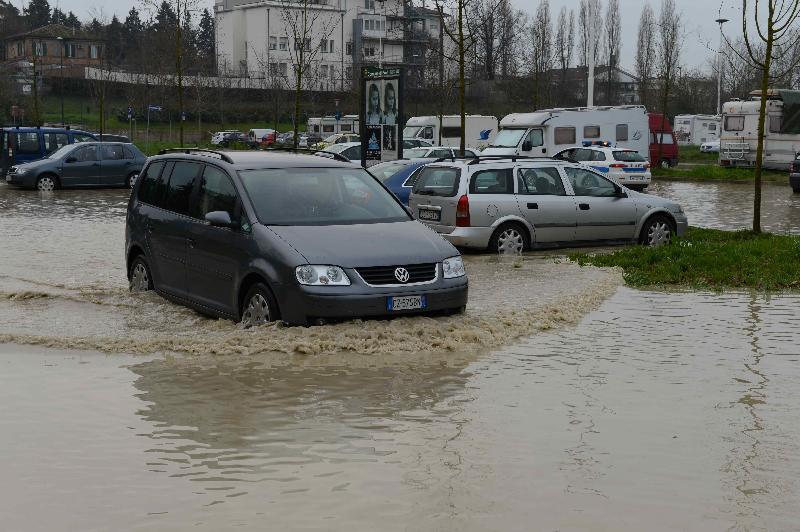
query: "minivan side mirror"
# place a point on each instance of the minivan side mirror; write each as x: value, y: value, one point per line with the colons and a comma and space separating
x: 71, y: 160
x: 219, y: 219
x: 527, y: 146
x: 621, y: 193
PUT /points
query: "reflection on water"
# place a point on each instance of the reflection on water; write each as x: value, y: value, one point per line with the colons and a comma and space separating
x: 659, y: 411
x: 730, y: 205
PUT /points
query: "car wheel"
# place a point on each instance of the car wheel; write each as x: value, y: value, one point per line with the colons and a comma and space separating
x: 46, y: 183
x: 141, y: 280
x: 132, y: 179
x: 258, y: 307
x: 665, y: 163
x: 657, y: 231
x: 509, y: 239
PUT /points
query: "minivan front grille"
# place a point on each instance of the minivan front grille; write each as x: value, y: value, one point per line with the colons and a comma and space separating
x: 385, y: 275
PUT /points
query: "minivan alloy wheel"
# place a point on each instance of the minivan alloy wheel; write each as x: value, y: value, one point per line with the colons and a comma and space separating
x: 140, y: 278
x: 256, y: 312
x: 46, y: 183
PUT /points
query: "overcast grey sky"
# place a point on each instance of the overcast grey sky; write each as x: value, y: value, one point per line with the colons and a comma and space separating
x: 702, y: 34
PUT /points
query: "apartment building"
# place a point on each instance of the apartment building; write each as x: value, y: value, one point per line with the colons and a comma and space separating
x: 52, y: 46
x: 263, y: 39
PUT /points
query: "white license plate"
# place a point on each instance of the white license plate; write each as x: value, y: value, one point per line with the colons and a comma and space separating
x: 406, y: 303
x: 428, y: 214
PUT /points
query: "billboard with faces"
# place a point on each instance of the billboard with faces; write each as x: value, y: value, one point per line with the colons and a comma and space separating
x: 381, y: 113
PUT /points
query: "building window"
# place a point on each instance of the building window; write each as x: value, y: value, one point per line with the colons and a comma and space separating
x: 41, y: 49
x: 94, y: 51
x: 323, y: 45
x: 282, y: 69
x: 19, y: 49
x: 70, y: 50
x: 273, y: 43
x: 349, y: 48
x: 369, y: 4
x: 283, y: 43
x: 306, y: 47
x: 330, y: 46
x: 323, y: 71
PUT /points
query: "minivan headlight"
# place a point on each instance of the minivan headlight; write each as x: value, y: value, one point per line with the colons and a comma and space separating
x: 321, y: 275
x: 453, y: 267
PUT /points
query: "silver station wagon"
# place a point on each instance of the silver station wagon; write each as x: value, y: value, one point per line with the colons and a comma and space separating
x: 513, y: 204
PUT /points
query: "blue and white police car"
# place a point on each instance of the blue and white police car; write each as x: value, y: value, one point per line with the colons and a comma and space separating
x: 628, y: 167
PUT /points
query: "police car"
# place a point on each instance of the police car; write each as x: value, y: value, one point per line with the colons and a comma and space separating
x: 627, y: 167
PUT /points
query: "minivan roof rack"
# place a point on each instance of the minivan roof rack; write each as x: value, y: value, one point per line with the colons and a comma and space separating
x: 222, y: 155
x: 336, y: 156
x: 480, y: 158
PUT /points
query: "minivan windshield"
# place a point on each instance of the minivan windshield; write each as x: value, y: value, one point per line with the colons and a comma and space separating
x: 508, y: 138
x: 320, y: 196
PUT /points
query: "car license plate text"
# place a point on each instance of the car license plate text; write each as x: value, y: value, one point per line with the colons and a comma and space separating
x: 427, y: 214
x: 406, y: 303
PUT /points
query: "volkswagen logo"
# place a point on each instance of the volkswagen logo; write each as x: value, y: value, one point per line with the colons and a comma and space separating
x: 401, y: 274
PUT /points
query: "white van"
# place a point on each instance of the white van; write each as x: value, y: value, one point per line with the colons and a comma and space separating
x: 480, y: 130
x: 326, y: 126
x: 697, y: 129
x: 738, y: 141
x: 546, y: 132
x: 255, y: 136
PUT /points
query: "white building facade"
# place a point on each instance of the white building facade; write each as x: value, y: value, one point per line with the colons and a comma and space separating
x: 263, y: 39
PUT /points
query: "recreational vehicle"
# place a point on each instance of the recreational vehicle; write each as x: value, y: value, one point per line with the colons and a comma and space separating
x: 480, y: 130
x: 328, y: 125
x: 739, y: 137
x: 546, y: 132
x: 697, y: 129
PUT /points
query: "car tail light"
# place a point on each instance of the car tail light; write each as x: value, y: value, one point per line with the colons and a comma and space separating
x: 462, y: 212
x: 617, y: 165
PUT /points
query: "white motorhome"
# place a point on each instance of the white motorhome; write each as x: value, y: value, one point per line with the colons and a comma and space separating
x: 738, y: 140
x: 546, y: 132
x: 697, y: 129
x: 480, y: 130
x: 328, y: 125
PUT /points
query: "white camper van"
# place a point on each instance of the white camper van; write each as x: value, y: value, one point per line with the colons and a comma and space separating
x: 481, y: 130
x: 697, y: 129
x: 328, y: 125
x: 738, y: 141
x: 546, y: 132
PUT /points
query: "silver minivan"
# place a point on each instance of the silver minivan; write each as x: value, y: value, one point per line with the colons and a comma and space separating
x: 512, y: 204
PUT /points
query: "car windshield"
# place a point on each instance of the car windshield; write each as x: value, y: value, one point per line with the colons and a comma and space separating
x: 337, y: 148
x: 320, y: 196
x: 332, y: 138
x: 508, y: 138
x: 61, y: 152
x: 384, y: 171
x: 628, y: 156
x: 416, y: 153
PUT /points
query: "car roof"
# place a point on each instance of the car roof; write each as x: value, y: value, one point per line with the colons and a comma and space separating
x: 500, y: 162
x: 241, y: 160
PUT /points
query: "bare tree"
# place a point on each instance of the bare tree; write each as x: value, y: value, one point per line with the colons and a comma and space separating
x: 564, y: 43
x: 613, y: 37
x: 590, y: 27
x: 645, y: 52
x: 669, y: 25
x: 509, y: 21
x: 541, y: 53
x: 485, y: 17
x: 779, y: 37
x: 306, y: 25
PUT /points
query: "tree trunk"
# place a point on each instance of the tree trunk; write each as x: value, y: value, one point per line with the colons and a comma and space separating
x: 664, y: 105
x: 179, y: 73
x: 462, y: 93
x: 762, y: 112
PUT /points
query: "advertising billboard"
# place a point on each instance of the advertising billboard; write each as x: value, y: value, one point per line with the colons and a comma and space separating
x: 381, y: 114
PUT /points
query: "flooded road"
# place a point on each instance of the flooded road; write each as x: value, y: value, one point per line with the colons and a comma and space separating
x: 559, y: 401
x: 657, y: 412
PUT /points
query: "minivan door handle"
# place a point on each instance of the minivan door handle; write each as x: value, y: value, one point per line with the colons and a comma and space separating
x: 583, y: 206
x: 533, y: 205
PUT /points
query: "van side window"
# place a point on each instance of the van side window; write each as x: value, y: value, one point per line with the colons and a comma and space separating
x: 54, y: 141
x: 622, y: 132
x: 216, y: 193
x: 775, y: 123
x: 734, y: 123
x: 180, y: 186
x: 28, y: 143
x: 564, y: 135
x: 541, y: 181
x: 451, y: 132
x: 149, y: 183
x: 492, y: 182
x: 591, y: 132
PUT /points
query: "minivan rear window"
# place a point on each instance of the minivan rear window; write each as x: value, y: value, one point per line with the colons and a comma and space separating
x: 628, y: 156
x: 438, y: 181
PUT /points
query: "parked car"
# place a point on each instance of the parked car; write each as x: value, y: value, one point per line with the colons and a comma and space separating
x: 336, y: 138
x: 219, y: 136
x: 409, y: 143
x: 794, y: 174
x: 88, y: 164
x: 712, y: 146
x: 351, y: 150
x: 258, y: 138
x: 283, y: 236
x: 106, y: 137
x: 399, y: 175
x: 26, y: 144
x: 511, y: 205
x: 307, y: 140
x: 626, y: 166
x: 436, y: 152
x: 234, y: 137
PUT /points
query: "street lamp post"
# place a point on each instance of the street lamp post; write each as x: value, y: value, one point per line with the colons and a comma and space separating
x: 61, y: 75
x: 719, y: 21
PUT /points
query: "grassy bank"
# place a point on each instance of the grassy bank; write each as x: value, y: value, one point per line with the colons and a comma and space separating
x: 713, y: 172
x: 709, y: 259
x: 692, y: 154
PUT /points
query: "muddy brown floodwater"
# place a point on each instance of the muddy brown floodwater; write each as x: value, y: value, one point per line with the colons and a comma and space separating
x: 560, y: 401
